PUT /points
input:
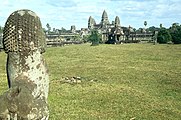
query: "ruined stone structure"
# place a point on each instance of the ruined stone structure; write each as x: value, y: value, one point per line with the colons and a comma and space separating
x: 103, y: 25
x: 62, y: 37
x: 24, y: 43
x: 114, y: 33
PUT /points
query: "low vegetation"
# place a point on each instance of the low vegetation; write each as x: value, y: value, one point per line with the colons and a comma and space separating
x: 116, y: 82
x: 94, y: 38
x: 164, y: 36
x: 173, y: 34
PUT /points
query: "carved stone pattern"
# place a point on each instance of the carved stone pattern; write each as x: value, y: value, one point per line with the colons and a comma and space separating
x: 22, y: 29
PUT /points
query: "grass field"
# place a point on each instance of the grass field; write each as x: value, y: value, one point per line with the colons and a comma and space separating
x: 118, y: 82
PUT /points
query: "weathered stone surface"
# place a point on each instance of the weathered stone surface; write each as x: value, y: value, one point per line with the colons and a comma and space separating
x: 32, y: 66
x: 18, y: 103
x: 24, y: 43
x: 23, y: 32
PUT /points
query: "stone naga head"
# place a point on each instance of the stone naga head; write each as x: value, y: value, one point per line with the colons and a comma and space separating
x: 24, y: 42
x: 23, y: 32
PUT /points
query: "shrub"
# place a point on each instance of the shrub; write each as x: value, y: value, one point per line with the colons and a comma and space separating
x: 175, y: 32
x: 163, y: 36
x: 94, y: 37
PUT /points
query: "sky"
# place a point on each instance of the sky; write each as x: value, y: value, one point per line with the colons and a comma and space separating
x: 64, y: 13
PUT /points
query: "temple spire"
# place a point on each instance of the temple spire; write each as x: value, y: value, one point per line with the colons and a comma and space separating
x: 104, y: 20
x: 117, y: 21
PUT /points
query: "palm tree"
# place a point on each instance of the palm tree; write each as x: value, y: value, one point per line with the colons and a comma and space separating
x: 145, y: 24
x: 161, y: 26
x: 48, y: 27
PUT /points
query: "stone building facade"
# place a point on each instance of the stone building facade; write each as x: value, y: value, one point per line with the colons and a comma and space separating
x: 115, y: 33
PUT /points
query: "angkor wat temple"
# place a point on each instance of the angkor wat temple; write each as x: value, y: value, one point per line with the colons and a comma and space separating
x: 115, y: 33
x: 112, y: 33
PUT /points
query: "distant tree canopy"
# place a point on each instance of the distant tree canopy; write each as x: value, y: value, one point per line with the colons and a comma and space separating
x: 48, y: 27
x: 1, y: 29
x: 153, y: 29
x: 63, y: 30
x: 163, y: 36
x: 161, y: 25
x: 94, y: 37
x: 175, y: 31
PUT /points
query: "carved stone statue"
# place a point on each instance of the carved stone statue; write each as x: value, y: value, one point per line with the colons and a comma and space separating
x: 28, y: 80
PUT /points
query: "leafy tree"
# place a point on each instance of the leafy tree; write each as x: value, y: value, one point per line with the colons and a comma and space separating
x: 153, y: 29
x: 1, y: 29
x: 161, y: 25
x: 94, y: 38
x: 163, y: 36
x: 139, y: 30
x: 85, y: 38
x: 63, y: 30
x: 48, y: 27
x: 77, y: 38
x: 175, y: 32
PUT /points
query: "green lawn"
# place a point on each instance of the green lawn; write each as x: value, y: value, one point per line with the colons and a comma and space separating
x: 118, y: 82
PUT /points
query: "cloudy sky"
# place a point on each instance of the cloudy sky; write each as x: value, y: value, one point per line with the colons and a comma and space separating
x: 64, y: 13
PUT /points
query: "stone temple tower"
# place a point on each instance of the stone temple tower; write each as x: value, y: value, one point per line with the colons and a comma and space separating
x: 91, y: 23
x: 104, y: 20
x: 117, y: 22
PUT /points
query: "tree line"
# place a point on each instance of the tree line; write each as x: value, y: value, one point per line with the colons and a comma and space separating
x: 172, y: 34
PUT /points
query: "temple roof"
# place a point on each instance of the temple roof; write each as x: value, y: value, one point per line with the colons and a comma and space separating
x: 90, y: 18
x: 104, y: 18
x: 104, y: 14
x: 117, y: 21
